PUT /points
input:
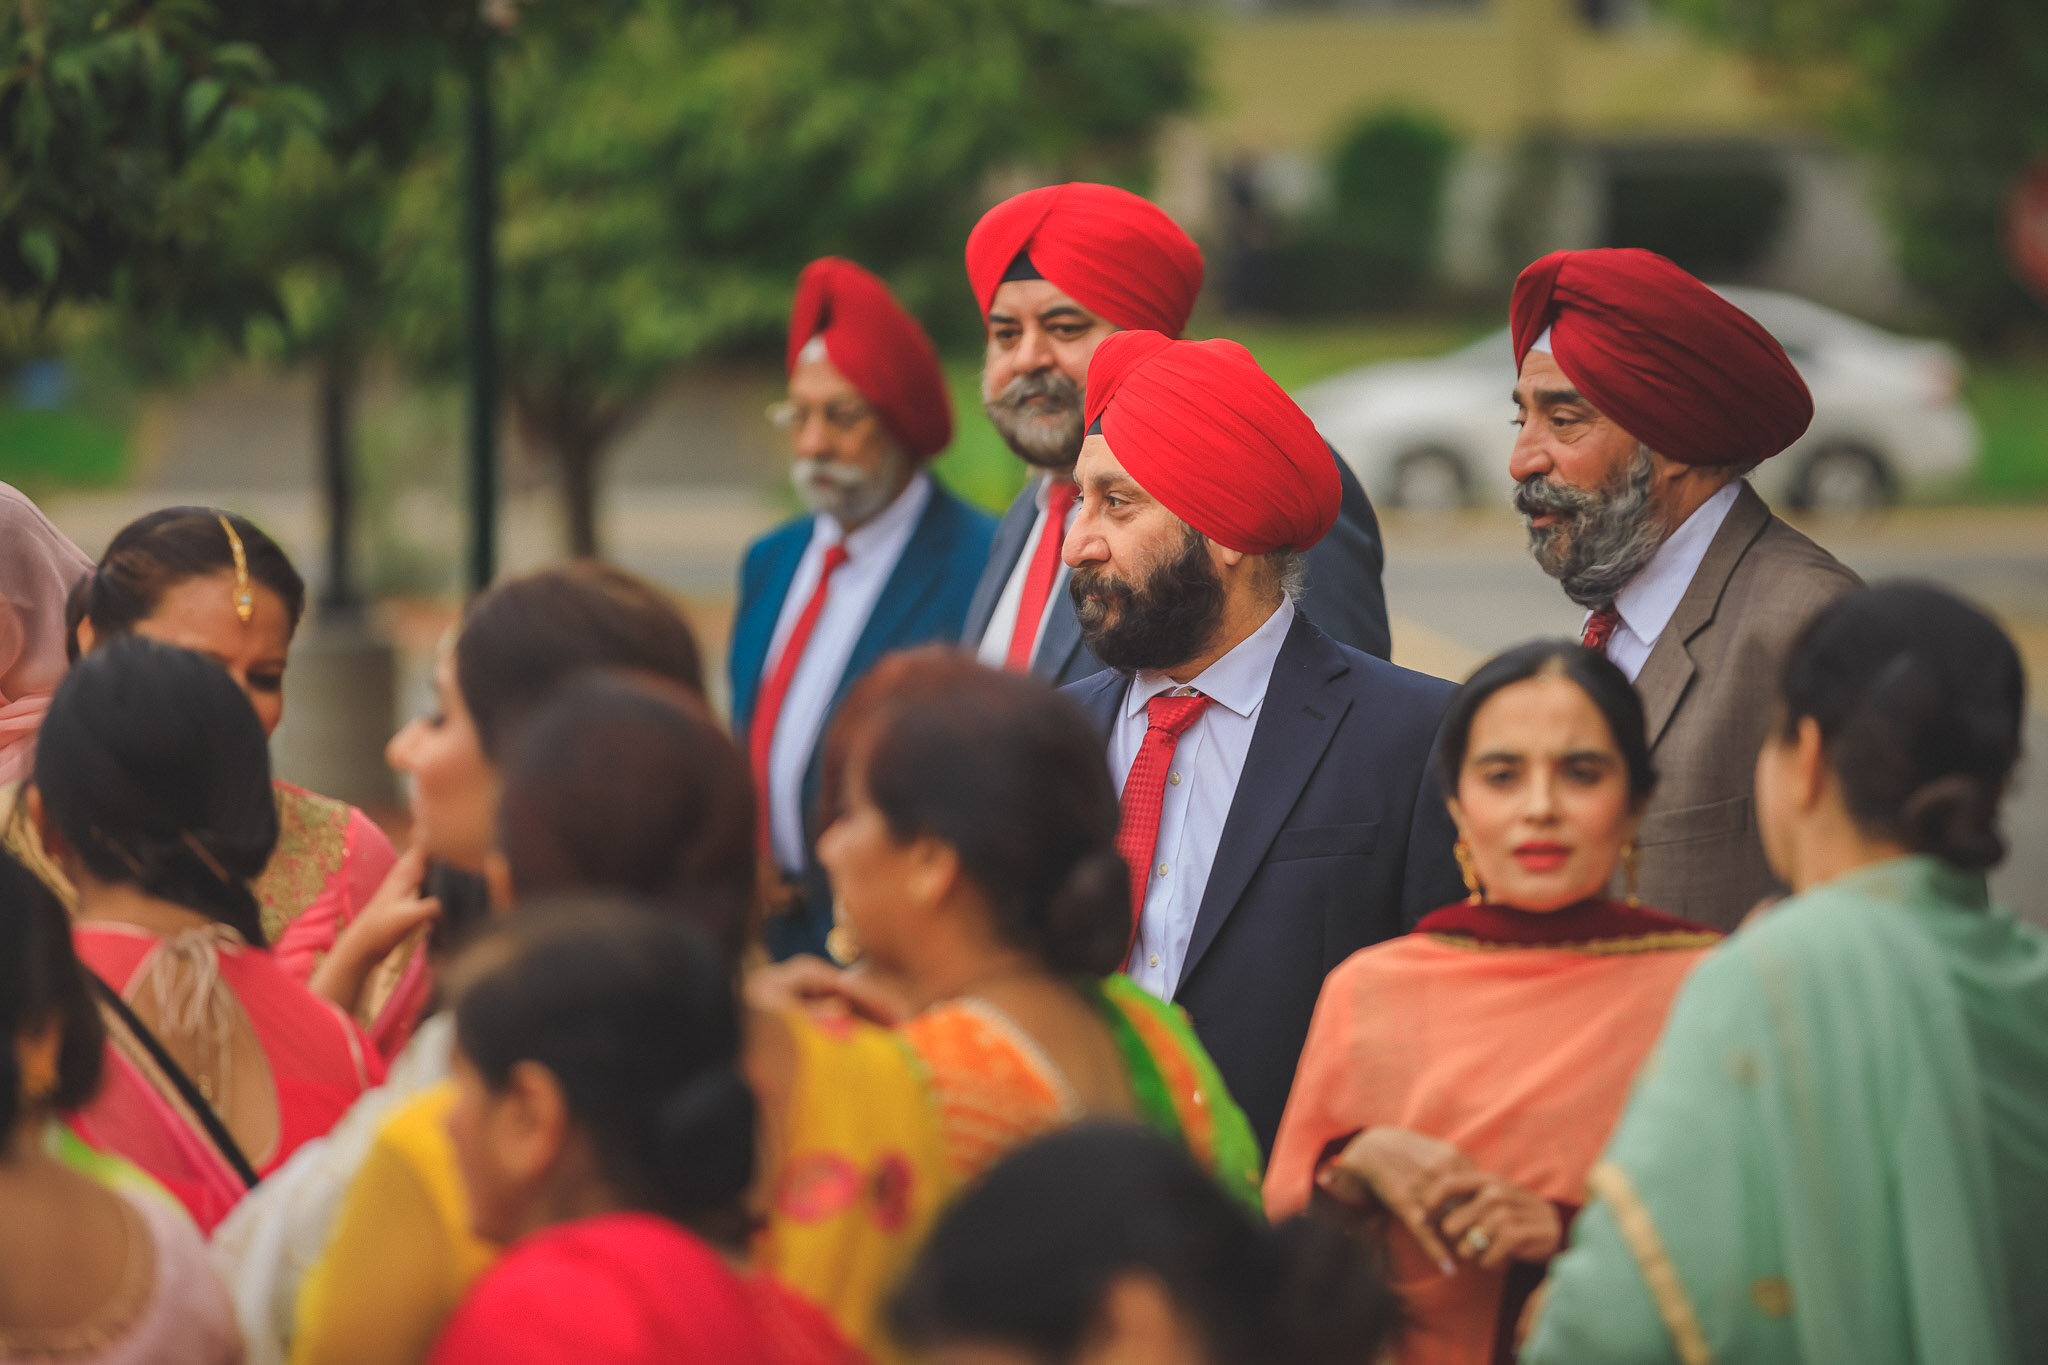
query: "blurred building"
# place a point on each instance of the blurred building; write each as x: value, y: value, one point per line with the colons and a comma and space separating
x: 1580, y: 123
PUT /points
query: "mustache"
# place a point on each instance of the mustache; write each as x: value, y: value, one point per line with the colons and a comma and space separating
x: 1539, y: 495
x: 1025, y: 387
x: 831, y: 474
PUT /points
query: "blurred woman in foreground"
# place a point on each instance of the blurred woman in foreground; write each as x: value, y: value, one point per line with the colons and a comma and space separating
x: 1460, y: 1080
x: 38, y: 565
x: 1107, y: 1245
x: 1842, y: 1152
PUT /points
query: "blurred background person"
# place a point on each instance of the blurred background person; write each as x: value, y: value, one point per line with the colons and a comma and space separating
x: 624, y: 783
x: 1460, y: 1080
x: 38, y: 566
x: 606, y: 1135
x: 213, y: 582
x: 1842, y: 1150
x: 1055, y: 270
x: 152, y: 795
x: 885, y: 559
x: 1644, y: 398
x: 1276, y: 809
x: 97, y: 1264
x: 970, y: 838
x: 1106, y: 1244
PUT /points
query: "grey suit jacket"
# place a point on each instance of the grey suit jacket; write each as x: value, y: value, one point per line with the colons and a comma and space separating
x: 1708, y: 690
x: 1343, y: 595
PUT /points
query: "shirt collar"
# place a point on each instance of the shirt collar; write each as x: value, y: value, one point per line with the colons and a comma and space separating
x: 1237, y: 681
x: 1650, y: 598
x: 891, y: 523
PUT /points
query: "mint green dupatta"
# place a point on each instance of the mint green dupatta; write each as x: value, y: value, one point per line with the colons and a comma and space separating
x: 1838, y: 1151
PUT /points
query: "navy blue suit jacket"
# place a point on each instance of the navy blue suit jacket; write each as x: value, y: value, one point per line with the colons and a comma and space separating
x: 1343, y: 595
x: 923, y: 602
x: 1337, y: 838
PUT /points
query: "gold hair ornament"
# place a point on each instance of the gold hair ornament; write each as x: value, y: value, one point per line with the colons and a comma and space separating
x: 245, y: 599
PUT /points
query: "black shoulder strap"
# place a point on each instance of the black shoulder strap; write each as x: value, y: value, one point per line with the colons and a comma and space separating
x: 216, y: 1131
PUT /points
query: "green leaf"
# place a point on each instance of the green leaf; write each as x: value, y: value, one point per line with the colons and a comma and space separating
x: 39, y: 252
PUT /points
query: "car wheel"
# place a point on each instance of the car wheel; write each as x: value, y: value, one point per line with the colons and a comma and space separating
x: 1843, y: 479
x: 1431, y: 479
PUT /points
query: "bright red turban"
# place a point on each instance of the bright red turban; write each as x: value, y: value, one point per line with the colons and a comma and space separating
x: 1116, y: 255
x: 1203, y: 429
x: 878, y: 347
x: 1678, y: 366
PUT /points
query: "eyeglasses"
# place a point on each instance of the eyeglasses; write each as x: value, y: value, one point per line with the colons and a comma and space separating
x: 844, y: 416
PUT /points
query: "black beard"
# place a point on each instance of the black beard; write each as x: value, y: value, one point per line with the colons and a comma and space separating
x: 1604, y: 536
x: 1167, y: 622
x: 1048, y: 438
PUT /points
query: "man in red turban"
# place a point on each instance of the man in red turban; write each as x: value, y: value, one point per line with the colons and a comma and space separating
x: 883, y: 561
x: 1644, y: 398
x: 1054, y: 271
x: 1276, y: 815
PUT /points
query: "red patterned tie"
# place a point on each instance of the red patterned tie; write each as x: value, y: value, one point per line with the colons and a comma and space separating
x: 1600, y: 627
x: 1166, y: 719
x: 768, y: 706
x: 1045, y: 566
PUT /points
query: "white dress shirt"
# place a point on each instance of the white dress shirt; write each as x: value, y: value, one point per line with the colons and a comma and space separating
x: 1650, y: 598
x: 871, y: 555
x: 994, y: 649
x: 1200, y: 786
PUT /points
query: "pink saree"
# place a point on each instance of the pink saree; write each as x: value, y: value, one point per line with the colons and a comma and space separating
x: 1513, y: 1036
x: 318, y: 1062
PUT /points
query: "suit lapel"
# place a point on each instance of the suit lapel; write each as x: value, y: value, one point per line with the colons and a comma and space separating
x: 1295, y: 724
x: 1669, y: 669
x: 919, y: 574
x: 755, y: 632
x: 1011, y: 534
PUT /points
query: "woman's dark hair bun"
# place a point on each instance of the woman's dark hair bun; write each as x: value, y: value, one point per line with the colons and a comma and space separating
x: 1327, y: 1293
x: 1088, y: 920
x: 706, y: 1139
x: 1955, y: 818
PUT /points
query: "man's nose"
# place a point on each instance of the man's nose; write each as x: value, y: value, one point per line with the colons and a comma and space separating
x: 1034, y: 354
x: 1084, y: 543
x: 1530, y: 457
x: 812, y: 438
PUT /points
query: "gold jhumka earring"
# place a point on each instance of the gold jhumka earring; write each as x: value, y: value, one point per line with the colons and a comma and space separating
x: 1463, y: 853
x: 245, y: 599
x: 840, y: 941
x: 1631, y: 862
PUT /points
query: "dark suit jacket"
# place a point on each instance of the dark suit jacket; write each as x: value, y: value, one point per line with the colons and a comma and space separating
x: 924, y: 601
x: 1707, y: 691
x: 1343, y: 594
x: 1337, y: 838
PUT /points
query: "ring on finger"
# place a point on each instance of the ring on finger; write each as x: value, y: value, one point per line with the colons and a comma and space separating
x: 1475, y: 1242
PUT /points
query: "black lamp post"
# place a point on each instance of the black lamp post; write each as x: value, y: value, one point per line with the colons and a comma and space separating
x: 481, y: 268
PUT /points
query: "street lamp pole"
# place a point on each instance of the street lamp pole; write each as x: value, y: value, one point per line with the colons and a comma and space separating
x: 481, y: 268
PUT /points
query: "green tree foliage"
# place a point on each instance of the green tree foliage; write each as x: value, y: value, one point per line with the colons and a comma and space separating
x: 1952, y: 98
x: 664, y: 179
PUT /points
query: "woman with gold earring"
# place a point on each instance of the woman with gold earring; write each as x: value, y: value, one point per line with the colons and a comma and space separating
x: 1458, y: 1083
x: 100, y: 1265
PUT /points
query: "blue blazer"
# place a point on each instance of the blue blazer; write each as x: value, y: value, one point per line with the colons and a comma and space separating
x: 924, y: 601
x: 1337, y: 838
x: 1343, y: 595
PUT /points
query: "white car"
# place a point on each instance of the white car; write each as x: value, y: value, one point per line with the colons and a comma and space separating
x: 1888, y: 416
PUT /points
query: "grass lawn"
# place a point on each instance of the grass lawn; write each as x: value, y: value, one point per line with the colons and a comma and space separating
x: 59, y: 448
x: 981, y: 468
x: 2010, y: 398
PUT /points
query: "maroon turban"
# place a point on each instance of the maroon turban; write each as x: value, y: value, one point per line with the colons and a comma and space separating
x: 1203, y: 429
x: 878, y: 347
x: 1116, y: 255
x: 1678, y: 366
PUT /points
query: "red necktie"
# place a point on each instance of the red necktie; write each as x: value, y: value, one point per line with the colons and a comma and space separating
x: 1166, y: 718
x: 1045, y: 566
x: 1600, y: 627
x: 768, y: 705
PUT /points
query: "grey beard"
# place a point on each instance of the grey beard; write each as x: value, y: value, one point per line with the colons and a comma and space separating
x: 1605, y: 536
x: 848, y: 496
x: 1046, y: 440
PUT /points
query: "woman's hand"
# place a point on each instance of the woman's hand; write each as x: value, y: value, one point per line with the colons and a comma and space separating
x: 1399, y: 1167
x: 1490, y: 1222
x: 810, y: 983
x: 395, y: 911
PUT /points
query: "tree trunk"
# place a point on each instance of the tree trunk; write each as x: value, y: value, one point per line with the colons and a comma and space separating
x: 577, y: 456
x: 339, y: 599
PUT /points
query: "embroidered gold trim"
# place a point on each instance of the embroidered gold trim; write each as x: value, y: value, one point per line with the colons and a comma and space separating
x: 245, y: 600
x: 1610, y: 1183
x: 1675, y: 941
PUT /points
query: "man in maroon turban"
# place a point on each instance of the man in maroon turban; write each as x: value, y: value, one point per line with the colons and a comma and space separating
x: 1644, y: 398
x: 1276, y: 815
x: 884, y: 560
x: 1054, y: 271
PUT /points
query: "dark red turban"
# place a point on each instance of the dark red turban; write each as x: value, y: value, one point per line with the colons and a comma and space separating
x: 1116, y: 255
x: 1203, y: 429
x: 878, y: 347
x: 1678, y: 366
